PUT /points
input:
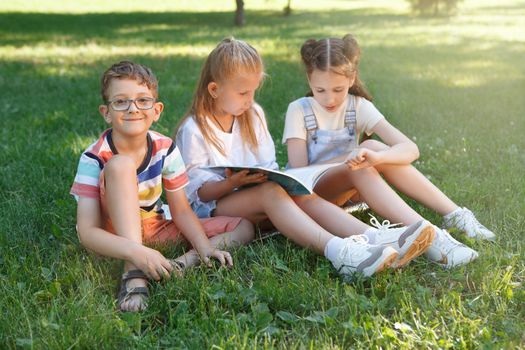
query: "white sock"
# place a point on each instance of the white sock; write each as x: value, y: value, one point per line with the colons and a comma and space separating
x: 452, y: 213
x: 332, y: 248
x: 370, y: 233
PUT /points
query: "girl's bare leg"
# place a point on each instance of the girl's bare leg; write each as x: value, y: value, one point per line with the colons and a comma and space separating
x: 377, y: 193
x: 411, y: 182
x: 331, y: 217
x: 373, y: 190
x: 269, y: 200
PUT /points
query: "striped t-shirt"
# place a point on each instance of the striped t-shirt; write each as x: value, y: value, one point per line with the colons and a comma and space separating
x: 162, y: 166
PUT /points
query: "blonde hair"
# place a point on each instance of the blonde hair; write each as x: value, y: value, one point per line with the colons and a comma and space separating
x: 340, y: 56
x: 231, y: 57
x: 129, y: 70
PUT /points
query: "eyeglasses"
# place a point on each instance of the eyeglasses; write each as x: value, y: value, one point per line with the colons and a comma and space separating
x: 141, y: 103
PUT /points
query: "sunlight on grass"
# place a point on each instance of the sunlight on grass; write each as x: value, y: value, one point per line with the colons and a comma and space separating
x: 156, y: 27
x: 78, y: 143
x: 58, y: 68
x: 93, y: 52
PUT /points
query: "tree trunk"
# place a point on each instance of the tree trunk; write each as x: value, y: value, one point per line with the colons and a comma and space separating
x: 288, y: 8
x: 239, y: 13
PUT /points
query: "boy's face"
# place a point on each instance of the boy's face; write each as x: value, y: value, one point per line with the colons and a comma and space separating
x: 235, y: 96
x: 133, y: 121
x: 329, y: 89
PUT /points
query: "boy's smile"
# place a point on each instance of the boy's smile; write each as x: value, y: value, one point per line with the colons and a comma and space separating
x: 130, y: 122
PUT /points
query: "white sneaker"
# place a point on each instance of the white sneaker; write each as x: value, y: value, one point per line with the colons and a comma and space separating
x: 465, y: 220
x: 448, y: 252
x: 410, y: 242
x: 357, y: 256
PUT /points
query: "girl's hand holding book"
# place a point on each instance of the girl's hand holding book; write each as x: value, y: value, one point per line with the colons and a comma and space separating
x: 243, y: 177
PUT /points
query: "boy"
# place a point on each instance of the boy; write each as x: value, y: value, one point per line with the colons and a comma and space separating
x: 119, y: 183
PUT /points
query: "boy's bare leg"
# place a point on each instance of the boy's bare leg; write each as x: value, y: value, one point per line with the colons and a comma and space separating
x: 241, y: 235
x: 123, y: 209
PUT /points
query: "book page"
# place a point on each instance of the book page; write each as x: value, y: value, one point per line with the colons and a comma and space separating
x: 311, y: 174
x: 296, y: 181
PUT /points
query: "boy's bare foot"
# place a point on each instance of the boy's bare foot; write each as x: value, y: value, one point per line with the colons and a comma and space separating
x: 133, y: 293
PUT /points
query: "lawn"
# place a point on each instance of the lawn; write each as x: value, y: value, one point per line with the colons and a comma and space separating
x: 453, y: 84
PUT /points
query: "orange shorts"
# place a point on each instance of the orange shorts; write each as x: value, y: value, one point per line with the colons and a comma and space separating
x: 157, y: 229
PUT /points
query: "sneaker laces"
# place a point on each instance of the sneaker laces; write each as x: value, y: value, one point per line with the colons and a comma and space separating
x: 443, y: 235
x: 470, y: 219
x: 381, y: 227
x: 359, y: 243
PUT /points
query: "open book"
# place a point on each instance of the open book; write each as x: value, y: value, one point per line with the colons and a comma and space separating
x: 296, y: 181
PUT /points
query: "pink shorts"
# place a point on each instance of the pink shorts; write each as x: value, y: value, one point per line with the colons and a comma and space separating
x: 158, y: 229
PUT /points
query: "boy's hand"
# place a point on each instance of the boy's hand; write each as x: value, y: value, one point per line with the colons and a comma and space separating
x: 151, y: 262
x: 222, y: 256
x: 241, y: 178
x: 362, y: 158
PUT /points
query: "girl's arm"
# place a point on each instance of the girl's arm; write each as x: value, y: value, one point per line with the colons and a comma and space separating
x: 402, y: 150
x: 215, y: 190
x: 98, y: 240
x: 297, y: 152
x: 191, y: 228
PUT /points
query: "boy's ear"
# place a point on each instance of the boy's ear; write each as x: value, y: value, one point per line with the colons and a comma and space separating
x: 104, y: 111
x: 158, y: 108
x: 212, y: 89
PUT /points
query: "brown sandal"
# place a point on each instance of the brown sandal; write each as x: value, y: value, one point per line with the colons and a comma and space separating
x: 124, y: 293
x: 178, y: 267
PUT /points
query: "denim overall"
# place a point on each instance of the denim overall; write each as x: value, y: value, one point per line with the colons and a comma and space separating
x: 327, y: 144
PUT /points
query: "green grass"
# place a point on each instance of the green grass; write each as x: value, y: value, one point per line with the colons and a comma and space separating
x: 455, y: 85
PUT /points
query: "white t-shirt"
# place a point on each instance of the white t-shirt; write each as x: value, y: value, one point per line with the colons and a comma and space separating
x: 197, y: 153
x: 367, y: 117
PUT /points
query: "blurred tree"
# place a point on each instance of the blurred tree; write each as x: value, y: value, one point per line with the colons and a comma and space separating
x: 239, y: 13
x: 434, y: 7
x: 288, y: 8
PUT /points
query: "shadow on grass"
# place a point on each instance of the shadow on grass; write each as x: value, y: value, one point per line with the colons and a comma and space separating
x: 167, y: 28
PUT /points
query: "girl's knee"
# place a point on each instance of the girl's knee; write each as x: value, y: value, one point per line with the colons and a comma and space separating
x: 307, y: 198
x: 246, y: 230
x: 271, y: 190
